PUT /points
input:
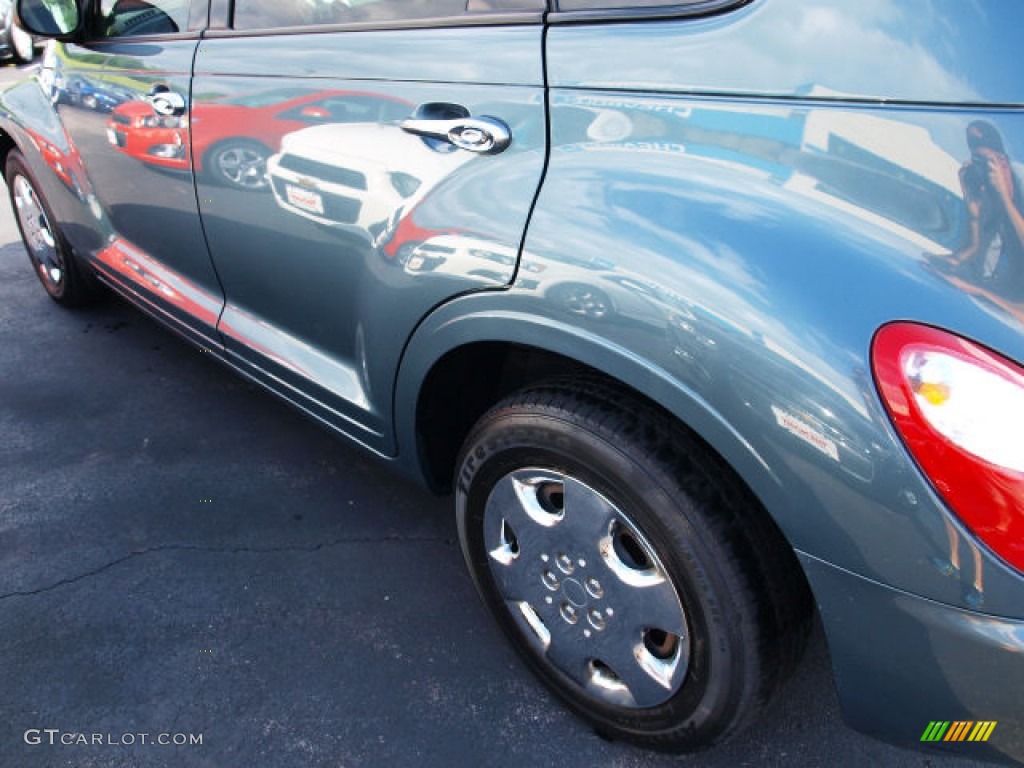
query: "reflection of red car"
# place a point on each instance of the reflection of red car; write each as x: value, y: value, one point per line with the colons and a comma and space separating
x: 66, y: 164
x: 135, y: 128
x: 220, y: 149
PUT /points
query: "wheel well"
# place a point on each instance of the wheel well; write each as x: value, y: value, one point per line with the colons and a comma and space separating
x: 463, y: 385
x: 6, y: 145
x: 468, y: 381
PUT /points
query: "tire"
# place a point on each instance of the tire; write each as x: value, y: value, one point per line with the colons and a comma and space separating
x: 22, y: 45
x: 239, y: 164
x: 629, y: 566
x: 65, y: 280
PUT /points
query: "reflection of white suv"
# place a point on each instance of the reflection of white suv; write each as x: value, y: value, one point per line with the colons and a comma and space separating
x: 341, y: 175
x: 605, y: 293
x: 460, y: 255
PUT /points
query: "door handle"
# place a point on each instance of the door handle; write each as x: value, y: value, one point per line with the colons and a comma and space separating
x: 166, y: 102
x: 484, y: 135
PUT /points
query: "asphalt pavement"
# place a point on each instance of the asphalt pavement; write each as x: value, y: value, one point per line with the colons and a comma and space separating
x: 183, y: 558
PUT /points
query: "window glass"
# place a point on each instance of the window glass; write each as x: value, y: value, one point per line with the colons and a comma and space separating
x: 120, y: 18
x: 266, y: 14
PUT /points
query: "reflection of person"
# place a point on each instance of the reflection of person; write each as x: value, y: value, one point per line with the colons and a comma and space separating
x: 994, y: 248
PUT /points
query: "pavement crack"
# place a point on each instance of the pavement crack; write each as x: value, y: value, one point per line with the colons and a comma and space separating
x: 225, y: 551
x: 73, y: 579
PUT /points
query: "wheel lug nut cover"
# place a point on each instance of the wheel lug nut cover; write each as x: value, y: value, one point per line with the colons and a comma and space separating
x: 550, y: 581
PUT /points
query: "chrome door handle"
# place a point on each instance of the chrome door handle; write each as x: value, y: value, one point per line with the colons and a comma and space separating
x: 166, y: 102
x: 485, y: 135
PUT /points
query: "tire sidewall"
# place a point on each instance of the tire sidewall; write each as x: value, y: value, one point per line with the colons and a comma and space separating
x: 702, y: 708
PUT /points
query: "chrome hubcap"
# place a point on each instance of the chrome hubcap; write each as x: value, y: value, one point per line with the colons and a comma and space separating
x: 586, y: 588
x: 243, y: 167
x: 39, y: 239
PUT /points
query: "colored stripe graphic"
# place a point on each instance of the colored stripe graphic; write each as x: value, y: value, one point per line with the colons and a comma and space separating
x: 959, y: 730
x: 982, y: 731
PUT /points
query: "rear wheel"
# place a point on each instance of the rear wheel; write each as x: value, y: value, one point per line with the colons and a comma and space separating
x: 630, y: 568
x: 52, y: 260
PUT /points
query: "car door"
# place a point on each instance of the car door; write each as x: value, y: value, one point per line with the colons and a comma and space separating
x: 359, y: 163
x: 122, y: 94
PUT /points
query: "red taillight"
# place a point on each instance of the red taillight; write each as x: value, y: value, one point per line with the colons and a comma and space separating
x: 960, y: 410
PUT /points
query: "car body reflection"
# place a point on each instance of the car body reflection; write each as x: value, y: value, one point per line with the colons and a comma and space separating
x: 342, y: 175
x: 134, y: 266
x: 66, y: 163
x: 91, y: 94
x: 238, y: 133
x: 155, y: 139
